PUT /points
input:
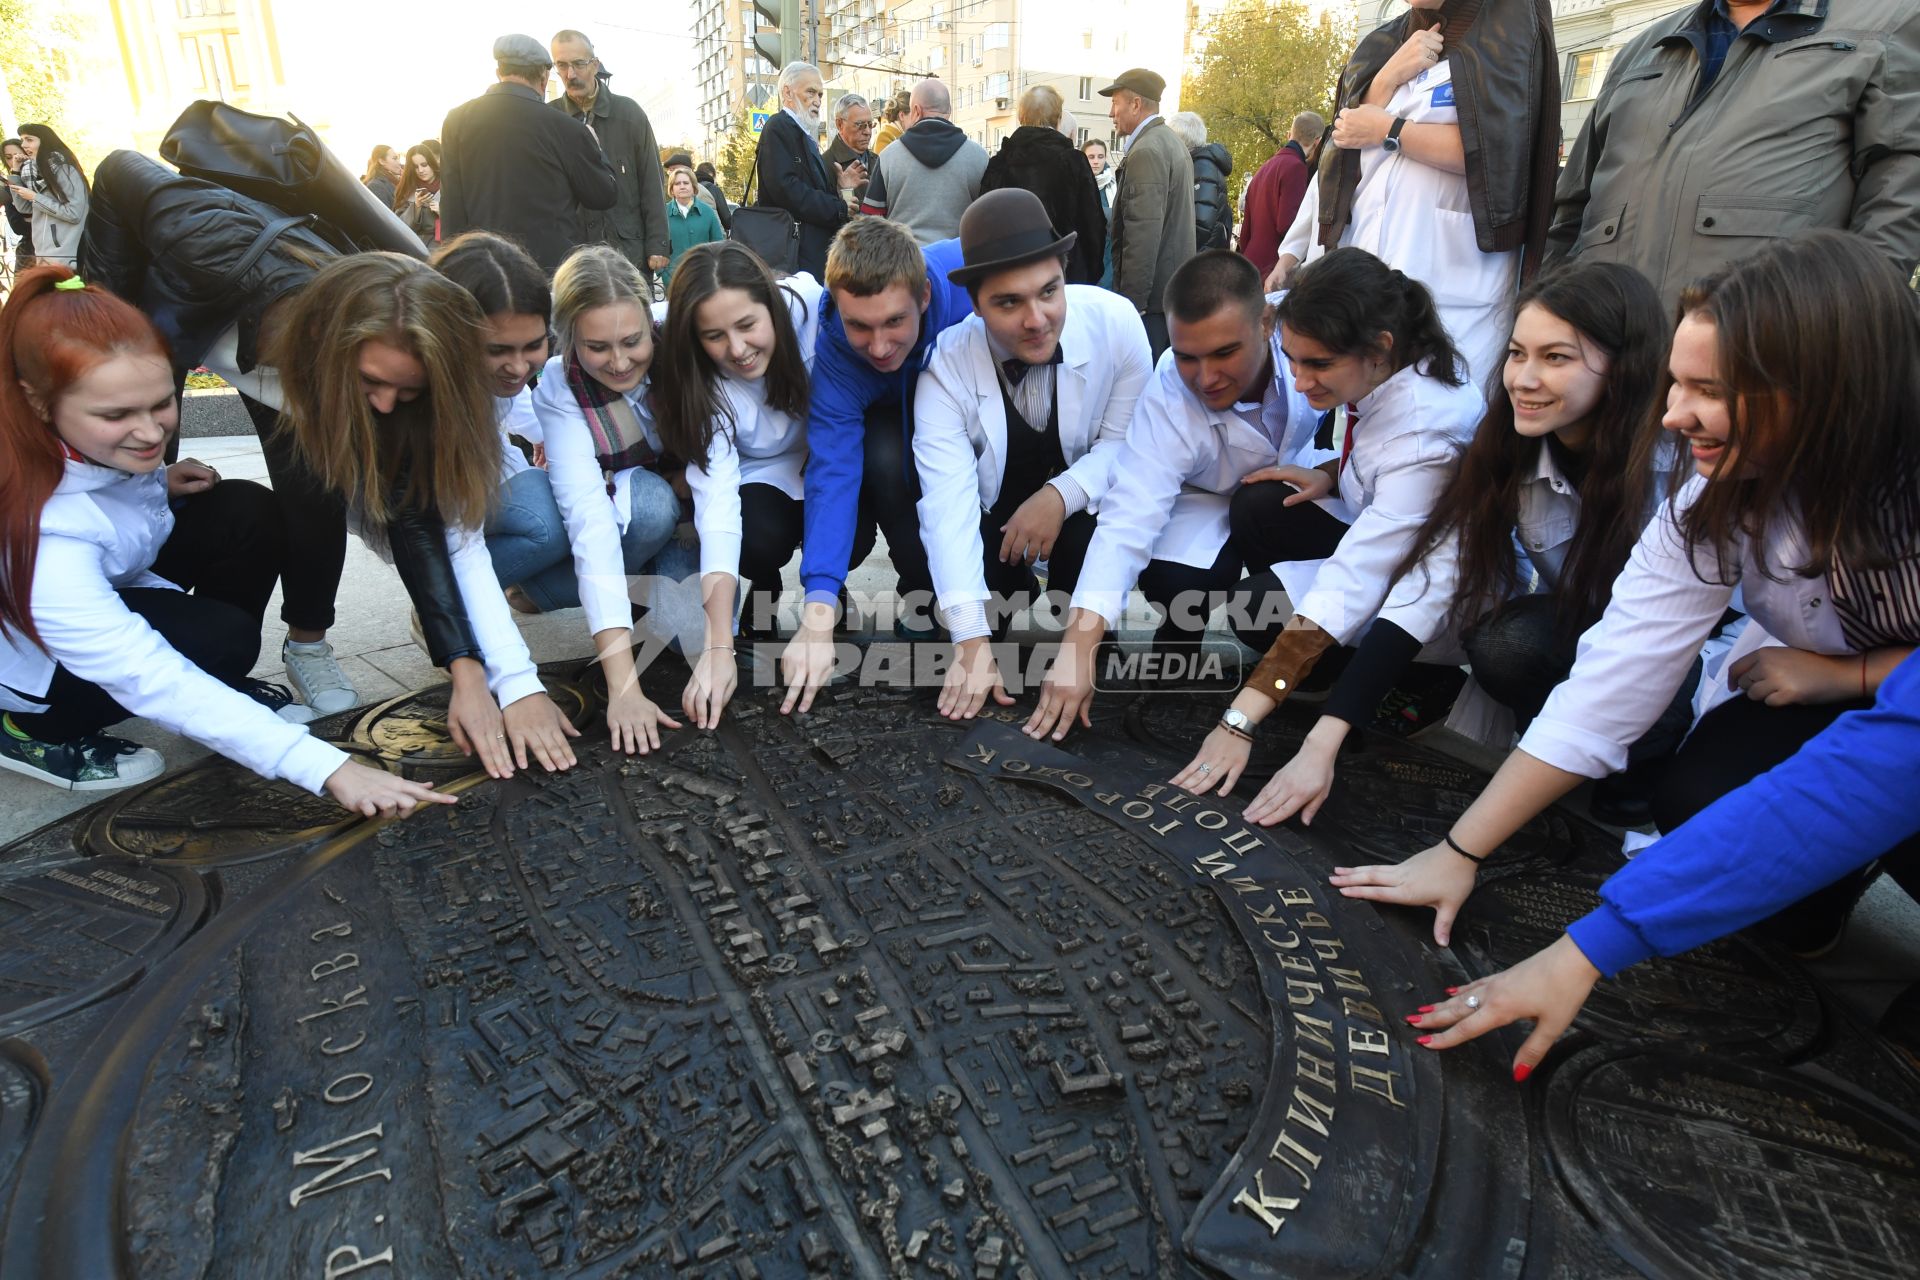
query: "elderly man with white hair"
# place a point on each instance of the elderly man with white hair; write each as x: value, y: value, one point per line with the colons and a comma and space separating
x: 792, y: 173
x: 927, y: 182
x: 853, y: 135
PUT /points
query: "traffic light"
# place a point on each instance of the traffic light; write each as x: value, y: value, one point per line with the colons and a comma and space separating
x: 777, y: 38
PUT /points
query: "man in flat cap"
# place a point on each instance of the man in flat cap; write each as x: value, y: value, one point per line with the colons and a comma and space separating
x: 508, y: 164
x: 1151, y: 229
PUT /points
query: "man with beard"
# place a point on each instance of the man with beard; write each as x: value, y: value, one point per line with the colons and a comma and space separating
x: 637, y: 223
x: 792, y: 174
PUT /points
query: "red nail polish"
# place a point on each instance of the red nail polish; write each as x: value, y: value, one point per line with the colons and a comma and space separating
x: 1426, y: 1008
x: 1413, y: 1019
x: 1424, y: 1040
x: 1453, y: 991
x: 1521, y: 1072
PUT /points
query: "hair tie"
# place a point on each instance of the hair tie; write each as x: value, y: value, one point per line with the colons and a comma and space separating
x: 71, y: 282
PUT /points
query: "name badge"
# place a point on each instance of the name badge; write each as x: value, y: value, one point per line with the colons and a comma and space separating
x: 1443, y: 96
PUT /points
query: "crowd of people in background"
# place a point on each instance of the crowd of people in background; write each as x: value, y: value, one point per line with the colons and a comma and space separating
x: 1629, y: 440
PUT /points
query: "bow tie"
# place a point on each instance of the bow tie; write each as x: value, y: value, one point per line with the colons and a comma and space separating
x: 1017, y: 370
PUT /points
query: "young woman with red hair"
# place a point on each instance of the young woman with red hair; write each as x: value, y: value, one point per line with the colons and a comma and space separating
x: 129, y: 588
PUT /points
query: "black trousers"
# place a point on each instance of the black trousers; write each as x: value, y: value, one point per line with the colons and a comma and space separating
x: 1014, y: 585
x: 1267, y: 531
x: 227, y: 549
x: 889, y: 492
x: 771, y: 525
x: 316, y: 527
x: 1518, y: 656
x: 1186, y: 595
x: 1735, y: 743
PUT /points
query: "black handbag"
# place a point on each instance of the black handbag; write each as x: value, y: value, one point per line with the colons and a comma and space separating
x: 770, y: 232
x: 284, y: 163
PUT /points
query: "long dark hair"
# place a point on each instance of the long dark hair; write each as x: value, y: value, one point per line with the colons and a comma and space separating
x: 1344, y: 300
x: 409, y: 181
x: 1617, y: 310
x: 497, y: 272
x: 1818, y: 355
x: 687, y: 408
x: 51, y: 150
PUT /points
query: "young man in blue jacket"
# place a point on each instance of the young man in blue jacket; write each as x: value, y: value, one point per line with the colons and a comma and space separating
x: 1843, y: 801
x: 888, y: 301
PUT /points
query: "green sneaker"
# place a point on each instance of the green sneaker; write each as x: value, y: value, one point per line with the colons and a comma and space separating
x: 93, y: 763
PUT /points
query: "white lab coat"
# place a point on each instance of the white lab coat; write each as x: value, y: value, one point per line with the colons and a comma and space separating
x: 1174, y: 479
x: 100, y: 532
x: 1411, y: 429
x: 1631, y: 662
x: 596, y: 521
x: 960, y: 432
x: 764, y: 446
x: 1420, y: 219
x: 515, y: 416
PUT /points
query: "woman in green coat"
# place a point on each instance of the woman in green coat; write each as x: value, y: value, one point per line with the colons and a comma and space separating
x: 689, y: 222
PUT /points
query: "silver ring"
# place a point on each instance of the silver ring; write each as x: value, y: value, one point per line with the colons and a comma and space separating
x: 1206, y: 768
x: 1473, y: 1002
x: 500, y: 736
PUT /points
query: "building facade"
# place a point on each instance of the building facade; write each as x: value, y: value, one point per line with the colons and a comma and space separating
x: 730, y: 76
x: 176, y: 51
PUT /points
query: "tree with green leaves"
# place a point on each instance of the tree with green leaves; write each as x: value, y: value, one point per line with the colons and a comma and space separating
x: 736, y: 156
x: 1265, y: 62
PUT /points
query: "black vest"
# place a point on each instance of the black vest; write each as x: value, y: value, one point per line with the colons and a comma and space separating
x: 1033, y: 457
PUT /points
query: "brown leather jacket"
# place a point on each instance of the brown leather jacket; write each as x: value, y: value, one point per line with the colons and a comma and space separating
x: 1506, y: 79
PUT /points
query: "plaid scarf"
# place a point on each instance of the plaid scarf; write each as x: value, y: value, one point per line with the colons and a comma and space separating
x: 619, y: 440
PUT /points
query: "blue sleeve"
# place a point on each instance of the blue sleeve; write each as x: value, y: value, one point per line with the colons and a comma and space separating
x: 1841, y: 801
x: 843, y: 386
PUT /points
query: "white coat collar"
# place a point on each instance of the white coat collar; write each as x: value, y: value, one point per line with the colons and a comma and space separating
x: 88, y: 477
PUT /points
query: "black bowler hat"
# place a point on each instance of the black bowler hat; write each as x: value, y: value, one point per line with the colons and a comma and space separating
x: 1002, y: 229
x: 1137, y: 80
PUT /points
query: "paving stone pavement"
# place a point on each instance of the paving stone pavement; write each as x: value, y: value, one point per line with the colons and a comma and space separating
x: 1879, y: 956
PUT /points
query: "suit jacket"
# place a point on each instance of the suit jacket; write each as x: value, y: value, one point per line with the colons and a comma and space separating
x: 1152, y: 230
x: 792, y: 176
x: 510, y: 165
x: 960, y: 426
x: 1040, y: 160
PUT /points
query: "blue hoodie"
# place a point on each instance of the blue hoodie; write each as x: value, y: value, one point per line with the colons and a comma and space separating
x: 845, y: 386
x: 1842, y: 800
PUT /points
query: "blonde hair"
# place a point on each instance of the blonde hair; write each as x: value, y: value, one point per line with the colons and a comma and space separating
x: 1041, y: 105
x: 869, y: 254
x: 440, y: 453
x: 595, y: 275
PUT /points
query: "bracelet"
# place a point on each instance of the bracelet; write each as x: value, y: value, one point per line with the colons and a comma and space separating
x: 1455, y: 846
x: 717, y: 648
x: 1241, y: 734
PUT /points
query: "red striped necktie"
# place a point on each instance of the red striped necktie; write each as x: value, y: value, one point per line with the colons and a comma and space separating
x: 1346, y: 443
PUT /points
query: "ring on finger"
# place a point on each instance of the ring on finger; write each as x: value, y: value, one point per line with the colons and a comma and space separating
x: 1473, y: 1002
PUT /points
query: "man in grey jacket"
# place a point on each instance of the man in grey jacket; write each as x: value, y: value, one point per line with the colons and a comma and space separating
x: 1151, y: 229
x: 1734, y: 122
x: 928, y: 181
x: 637, y: 223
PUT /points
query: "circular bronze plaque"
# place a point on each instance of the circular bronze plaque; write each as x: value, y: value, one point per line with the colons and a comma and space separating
x: 410, y: 732
x: 1699, y: 1166
x: 82, y: 931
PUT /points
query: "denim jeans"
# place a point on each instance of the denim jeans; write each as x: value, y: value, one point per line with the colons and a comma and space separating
x: 648, y: 545
x: 526, y: 536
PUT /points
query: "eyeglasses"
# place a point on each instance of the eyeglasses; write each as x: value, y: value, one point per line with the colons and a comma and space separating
x: 579, y: 64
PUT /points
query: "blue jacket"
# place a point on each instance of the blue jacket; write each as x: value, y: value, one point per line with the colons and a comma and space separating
x: 1841, y: 801
x: 844, y: 388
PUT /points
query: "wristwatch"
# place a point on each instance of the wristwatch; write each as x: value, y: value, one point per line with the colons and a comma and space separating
x: 1392, y: 141
x: 1234, y: 720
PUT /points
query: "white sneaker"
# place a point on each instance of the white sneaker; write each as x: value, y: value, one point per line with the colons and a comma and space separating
x: 317, y: 677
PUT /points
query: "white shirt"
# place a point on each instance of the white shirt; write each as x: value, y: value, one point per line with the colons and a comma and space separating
x: 596, y: 520
x: 99, y: 533
x: 1420, y: 219
x: 960, y: 434
x: 515, y: 416
x: 1408, y: 433
x: 764, y: 445
x: 1174, y: 479
x: 1631, y: 662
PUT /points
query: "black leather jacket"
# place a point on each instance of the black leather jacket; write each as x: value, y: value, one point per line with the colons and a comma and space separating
x: 196, y: 258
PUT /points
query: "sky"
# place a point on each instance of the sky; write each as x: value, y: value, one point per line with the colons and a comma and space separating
x: 434, y: 57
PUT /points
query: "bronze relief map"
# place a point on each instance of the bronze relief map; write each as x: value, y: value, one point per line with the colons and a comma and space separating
x: 862, y: 993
